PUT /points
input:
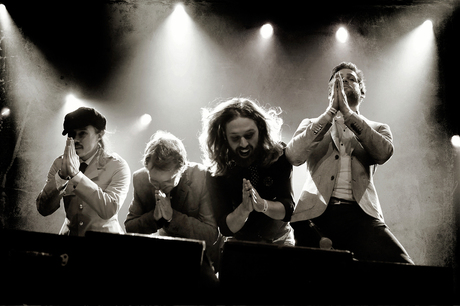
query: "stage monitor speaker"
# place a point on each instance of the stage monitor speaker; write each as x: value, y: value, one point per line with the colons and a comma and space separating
x: 98, y: 268
x: 36, y: 265
x: 266, y: 273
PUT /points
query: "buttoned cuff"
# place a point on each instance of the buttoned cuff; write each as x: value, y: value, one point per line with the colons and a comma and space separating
x: 73, y: 183
x: 76, y: 179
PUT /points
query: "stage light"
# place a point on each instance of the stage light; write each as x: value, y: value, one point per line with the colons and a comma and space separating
x: 342, y: 35
x: 5, y: 112
x: 145, y: 119
x: 179, y: 9
x: 455, y: 140
x: 5, y: 19
x: 72, y: 103
x: 179, y: 25
x: 428, y: 25
x: 266, y: 31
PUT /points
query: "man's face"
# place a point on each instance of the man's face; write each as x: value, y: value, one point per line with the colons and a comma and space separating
x: 86, y: 140
x: 351, y: 86
x: 243, y: 137
x: 163, y: 180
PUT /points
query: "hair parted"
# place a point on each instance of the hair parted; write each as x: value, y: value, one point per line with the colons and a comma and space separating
x: 213, y: 140
x: 165, y: 151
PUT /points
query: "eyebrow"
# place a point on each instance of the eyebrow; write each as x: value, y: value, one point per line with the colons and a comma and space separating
x: 353, y: 75
x: 248, y: 131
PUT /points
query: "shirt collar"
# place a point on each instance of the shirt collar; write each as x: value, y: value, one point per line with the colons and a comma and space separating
x: 88, y: 161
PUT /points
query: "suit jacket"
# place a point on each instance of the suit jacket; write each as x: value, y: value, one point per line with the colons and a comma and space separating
x: 94, y: 203
x: 316, y: 142
x: 193, y: 216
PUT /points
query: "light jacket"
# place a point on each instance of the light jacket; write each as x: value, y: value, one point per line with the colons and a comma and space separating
x: 316, y: 143
x: 94, y: 203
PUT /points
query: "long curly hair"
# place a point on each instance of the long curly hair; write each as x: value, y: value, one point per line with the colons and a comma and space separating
x: 213, y: 140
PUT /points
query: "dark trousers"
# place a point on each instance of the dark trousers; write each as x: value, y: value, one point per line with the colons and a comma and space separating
x: 350, y: 228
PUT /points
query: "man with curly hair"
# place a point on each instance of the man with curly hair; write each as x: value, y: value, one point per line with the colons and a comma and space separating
x: 251, y: 175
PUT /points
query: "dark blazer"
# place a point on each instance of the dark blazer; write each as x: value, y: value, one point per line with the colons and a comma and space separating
x: 193, y: 216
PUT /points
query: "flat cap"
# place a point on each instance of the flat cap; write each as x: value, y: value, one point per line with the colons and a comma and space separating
x: 83, y: 117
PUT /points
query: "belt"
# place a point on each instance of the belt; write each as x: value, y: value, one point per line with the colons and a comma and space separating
x: 337, y: 201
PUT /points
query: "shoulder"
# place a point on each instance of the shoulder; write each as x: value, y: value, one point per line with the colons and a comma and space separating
x: 195, y: 170
x: 112, y: 159
x: 140, y: 177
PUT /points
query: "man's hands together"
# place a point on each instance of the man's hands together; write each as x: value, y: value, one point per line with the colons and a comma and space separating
x: 163, y: 207
x: 70, y: 161
x: 339, y: 100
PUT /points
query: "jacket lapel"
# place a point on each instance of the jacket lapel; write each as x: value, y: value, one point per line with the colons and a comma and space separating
x: 182, y: 190
x: 97, y: 165
x: 335, y: 135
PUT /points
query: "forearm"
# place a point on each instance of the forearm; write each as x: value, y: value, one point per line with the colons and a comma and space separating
x: 379, y: 144
x: 105, y: 203
x: 182, y: 225
x: 48, y: 201
x: 236, y: 219
x: 307, y: 135
x: 275, y: 210
x: 142, y: 224
x: 49, y: 198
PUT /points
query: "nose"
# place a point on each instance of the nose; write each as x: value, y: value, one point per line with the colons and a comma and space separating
x: 243, y: 142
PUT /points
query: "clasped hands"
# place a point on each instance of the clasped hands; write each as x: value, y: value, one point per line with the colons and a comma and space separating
x: 163, y: 207
x: 339, y: 101
x: 251, y: 198
x: 70, y: 161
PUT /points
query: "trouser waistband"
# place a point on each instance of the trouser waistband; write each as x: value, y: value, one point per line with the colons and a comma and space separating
x: 337, y: 201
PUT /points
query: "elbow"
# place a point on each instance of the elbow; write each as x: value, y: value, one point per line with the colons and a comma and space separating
x: 380, y: 160
x: 109, y: 212
x: 129, y: 228
x: 292, y: 159
x: 43, y: 212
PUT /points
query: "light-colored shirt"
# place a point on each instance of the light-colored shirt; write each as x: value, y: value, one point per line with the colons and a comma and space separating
x: 342, y: 188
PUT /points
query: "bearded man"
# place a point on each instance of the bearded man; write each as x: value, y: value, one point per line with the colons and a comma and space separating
x: 251, y: 182
x: 341, y: 149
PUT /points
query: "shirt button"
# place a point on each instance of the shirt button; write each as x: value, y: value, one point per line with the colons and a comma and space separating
x: 336, y: 157
x: 81, y: 206
x: 81, y: 223
x: 332, y: 178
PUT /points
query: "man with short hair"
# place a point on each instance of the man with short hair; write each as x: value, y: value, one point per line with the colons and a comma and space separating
x: 342, y: 149
x: 170, y: 194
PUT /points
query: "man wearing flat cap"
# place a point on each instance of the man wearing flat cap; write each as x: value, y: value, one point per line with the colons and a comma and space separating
x: 92, y: 183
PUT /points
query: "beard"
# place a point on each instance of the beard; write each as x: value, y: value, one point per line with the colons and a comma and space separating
x: 242, y: 161
x: 353, y: 97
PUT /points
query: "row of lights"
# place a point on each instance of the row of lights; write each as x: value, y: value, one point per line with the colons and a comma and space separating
x: 266, y: 31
